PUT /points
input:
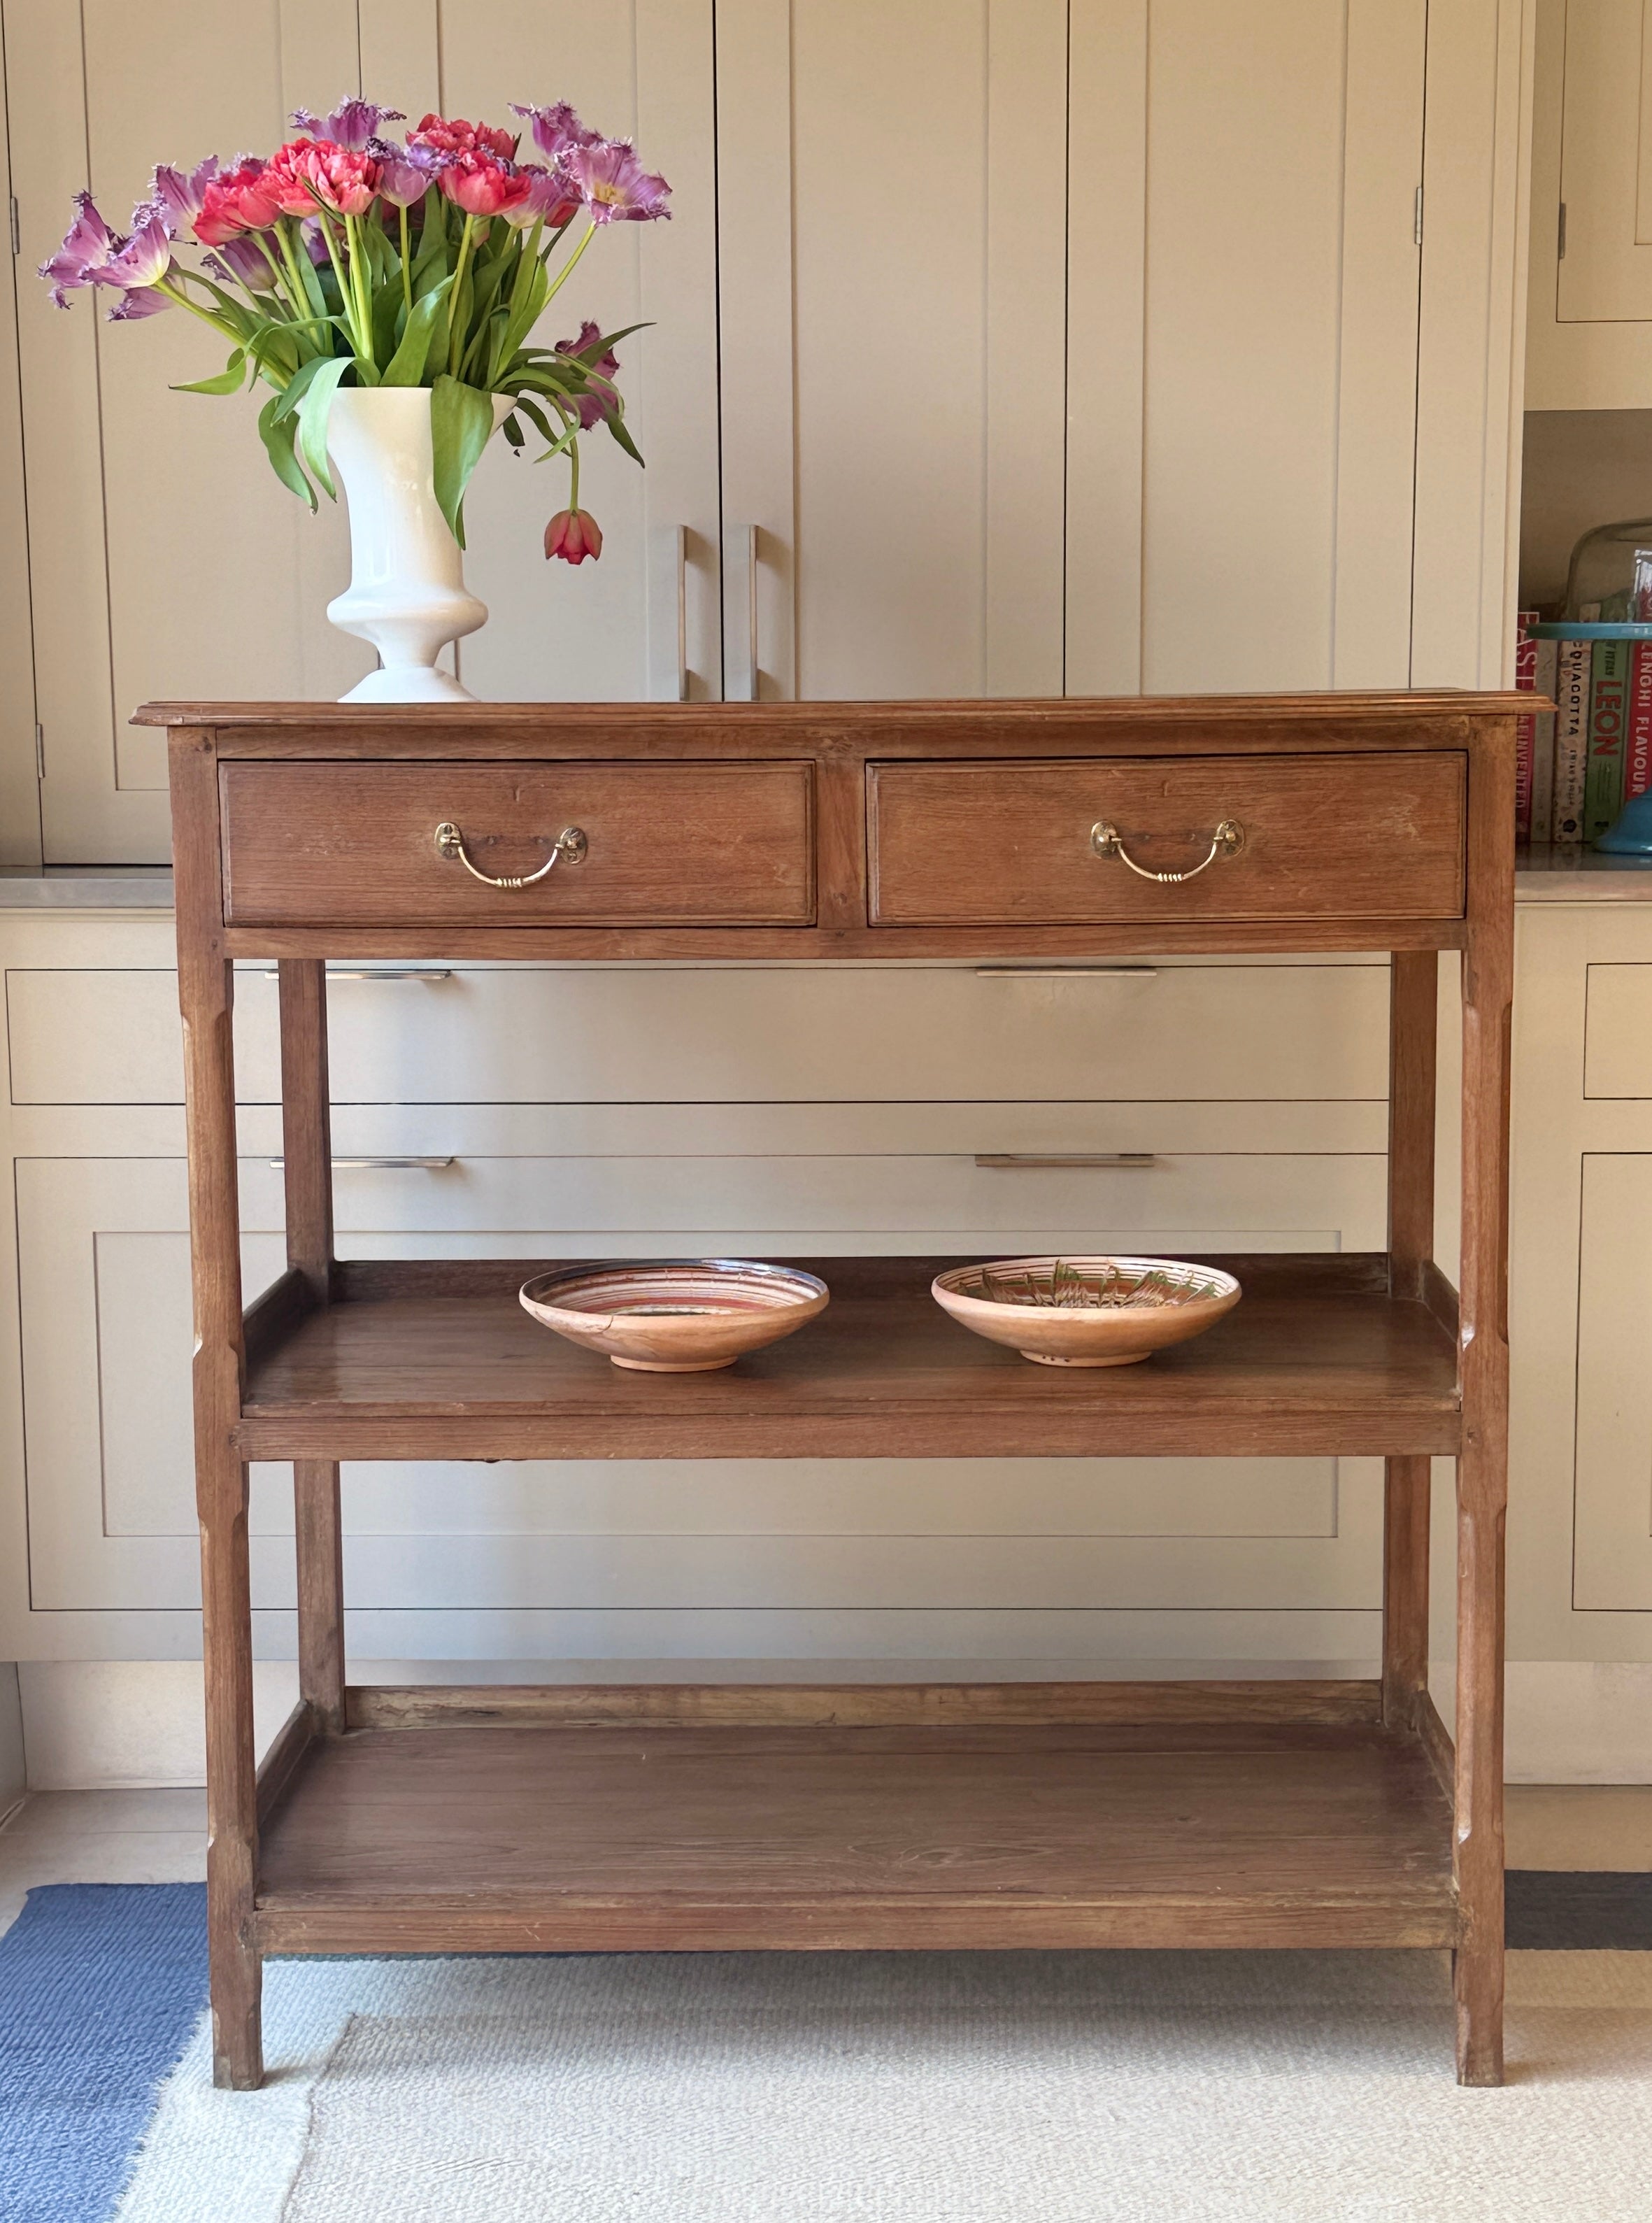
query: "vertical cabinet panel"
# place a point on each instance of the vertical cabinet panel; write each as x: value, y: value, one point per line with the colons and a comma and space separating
x: 1605, y: 274
x: 1613, y: 1567
x: 898, y: 451
x: 607, y: 631
x: 166, y: 559
x: 1251, y: 529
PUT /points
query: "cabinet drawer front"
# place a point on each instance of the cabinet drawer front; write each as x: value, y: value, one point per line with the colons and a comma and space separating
x: 665, y: 844
x: 1323, y: 837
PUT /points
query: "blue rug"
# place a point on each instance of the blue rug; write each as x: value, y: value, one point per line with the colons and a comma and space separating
x: 100, y: 1987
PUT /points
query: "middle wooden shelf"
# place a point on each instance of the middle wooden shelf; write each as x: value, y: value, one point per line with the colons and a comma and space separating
x: 435, y: 1358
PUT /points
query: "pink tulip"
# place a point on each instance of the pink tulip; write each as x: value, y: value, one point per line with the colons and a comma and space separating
x: 242, y: 199
x: 573, y: 534
x: 307, y: 171
x: 482, y: 187
x: 449, y: 135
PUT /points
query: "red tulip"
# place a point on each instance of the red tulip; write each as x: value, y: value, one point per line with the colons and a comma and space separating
x: 573, y: 534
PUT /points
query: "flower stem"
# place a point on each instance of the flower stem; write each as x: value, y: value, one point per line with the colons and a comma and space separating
x: 406, y: 270
x: 361, y: 285
x: 452, y: 298
x: 346, y: 300
x: 574, y: 474
x: 590, y: 234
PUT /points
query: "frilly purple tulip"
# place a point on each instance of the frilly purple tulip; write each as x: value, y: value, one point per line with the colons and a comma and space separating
x: 87, y: 249
x: 141, y: 301
x: 180, y: 194
x: 557, y: 128
x: 401, y: 180
x: 614, y: 184
x: 243, y: 259
x: 145, y: 255
x: 600, y: 398
x: 351, y: 125
x: 551, y: 199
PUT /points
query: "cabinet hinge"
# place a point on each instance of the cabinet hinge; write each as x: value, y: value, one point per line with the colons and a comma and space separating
x: 1416, y: 219
x: 1560, y: 235
x: 39, y: 752
x: 16, y: 228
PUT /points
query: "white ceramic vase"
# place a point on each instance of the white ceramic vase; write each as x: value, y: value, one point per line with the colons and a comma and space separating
x: 407, y: 594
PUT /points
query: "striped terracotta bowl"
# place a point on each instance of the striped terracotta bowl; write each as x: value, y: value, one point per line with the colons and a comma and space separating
x: 674, y: 1316
x: 1086, y: 1311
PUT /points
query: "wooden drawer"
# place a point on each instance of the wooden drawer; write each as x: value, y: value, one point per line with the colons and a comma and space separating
x: 688, y: 844
x: 1322, y: 837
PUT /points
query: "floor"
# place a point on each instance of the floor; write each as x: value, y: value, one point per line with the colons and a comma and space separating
x: 159, y: 1836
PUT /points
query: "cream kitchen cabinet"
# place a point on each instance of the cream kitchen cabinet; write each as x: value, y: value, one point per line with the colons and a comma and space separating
x: 1022, y: 348
x: 1590, y: 298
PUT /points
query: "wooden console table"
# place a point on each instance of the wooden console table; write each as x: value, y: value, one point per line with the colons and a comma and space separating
x: 1087, y: 1814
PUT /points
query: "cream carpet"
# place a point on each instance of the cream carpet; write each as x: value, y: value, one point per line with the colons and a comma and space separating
x: 915, y: 2088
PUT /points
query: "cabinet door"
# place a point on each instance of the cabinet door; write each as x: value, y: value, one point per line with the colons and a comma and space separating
x: 630, y: 627
x: 165, y: 558
x: 892, y: 207
x: 1605, y: 272
x: 1242, y: 342
x: 1613, y: 1569
x: 699, y: 1559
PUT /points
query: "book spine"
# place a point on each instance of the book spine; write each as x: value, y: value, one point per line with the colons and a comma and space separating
x: 1542, y: 752
x: 1608, y: 717
x: 1572, y: 668
x: 1525, y: 677
x: 1637, y: 751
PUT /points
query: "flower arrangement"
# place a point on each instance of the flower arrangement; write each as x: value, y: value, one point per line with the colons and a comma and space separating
x: 348, y: 258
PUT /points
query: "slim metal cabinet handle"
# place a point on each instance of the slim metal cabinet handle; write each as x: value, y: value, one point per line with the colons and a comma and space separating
x: 384, y: 972
x: 1131, y: 1160
x: 1066, y: 972
x: 746, y: 686
x: 383, y: 1165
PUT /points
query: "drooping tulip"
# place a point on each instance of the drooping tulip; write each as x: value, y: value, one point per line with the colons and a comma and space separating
x: 600, y: 398
x: 573, y: 534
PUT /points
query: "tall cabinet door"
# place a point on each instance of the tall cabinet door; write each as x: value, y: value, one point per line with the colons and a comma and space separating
x: 892, y: 215
x: 164, y: 557
x: 1244, y: 223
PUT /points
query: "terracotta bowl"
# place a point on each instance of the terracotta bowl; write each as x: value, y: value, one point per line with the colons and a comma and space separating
x: 1137, y: 1306
x: 674, y: 1316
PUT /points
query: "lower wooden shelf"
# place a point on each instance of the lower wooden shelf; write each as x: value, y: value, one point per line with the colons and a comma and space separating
x: 435, y: 1358
x: 1289, y: 1815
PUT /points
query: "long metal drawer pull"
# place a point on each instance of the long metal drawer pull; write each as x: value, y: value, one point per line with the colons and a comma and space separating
x: 1227, y: 841
x: 1066, y: 972
x: 382, y: 1165
x: 384, y: 972
x: 570, y: 843
x: 1129, y: 1159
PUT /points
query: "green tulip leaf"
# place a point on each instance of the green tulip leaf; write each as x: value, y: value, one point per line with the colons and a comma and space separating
x: 462, y: 418
x: 406, y: 366
x: 229, y: 380
x: 277, y: 433
x: 313, y: 412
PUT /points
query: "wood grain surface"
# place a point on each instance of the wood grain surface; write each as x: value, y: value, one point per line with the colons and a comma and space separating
x: 668, y: 844
x: 1324, y: 837
x: 864, y: 1836
x: 883, y: 1371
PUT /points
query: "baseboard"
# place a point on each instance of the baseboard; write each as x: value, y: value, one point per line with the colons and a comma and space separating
x: 124, y: 1724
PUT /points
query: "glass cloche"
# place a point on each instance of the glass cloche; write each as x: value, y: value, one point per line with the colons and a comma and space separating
x: 1611, y: 579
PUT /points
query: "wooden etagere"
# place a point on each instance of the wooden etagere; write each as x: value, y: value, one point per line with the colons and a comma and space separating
x: 1085, y: 1814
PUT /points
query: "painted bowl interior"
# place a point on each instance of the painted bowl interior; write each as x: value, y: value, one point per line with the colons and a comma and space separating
x: 674, y: 1316
x: 1086, y: 1311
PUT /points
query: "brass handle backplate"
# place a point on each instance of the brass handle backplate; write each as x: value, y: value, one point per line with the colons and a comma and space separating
x: 570, y: 844
x: 1227, y: 841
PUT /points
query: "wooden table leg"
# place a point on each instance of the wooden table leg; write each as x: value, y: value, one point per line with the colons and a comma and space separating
x: 1413, y: 1009
x: 306, y: 1142
x: 206, y: 987
x: 1482, y: 1467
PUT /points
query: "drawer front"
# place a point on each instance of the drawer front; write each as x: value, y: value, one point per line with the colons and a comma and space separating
x: 664, y: 844
x: 1322, y: 837
x: 733, y: 1035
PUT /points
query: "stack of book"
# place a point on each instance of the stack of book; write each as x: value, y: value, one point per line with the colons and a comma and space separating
x: 1579, y: 764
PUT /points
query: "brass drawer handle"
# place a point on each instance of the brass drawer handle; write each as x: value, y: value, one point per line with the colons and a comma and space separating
x: 1227, y: 841
x: 570, y: 843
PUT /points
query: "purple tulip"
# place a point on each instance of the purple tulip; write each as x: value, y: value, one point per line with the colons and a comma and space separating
x: 550, y: 199
x: 141, y: 301
x: 614, y: 184
x: 244, y: 259
x: 145, y: 255
x: 557, y: 128
x: 85, y: 255
x: 314, y: 242
x: 401, y: 181
x: 600, y: 400
x: 179, y: 196
x: 351, y: 125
